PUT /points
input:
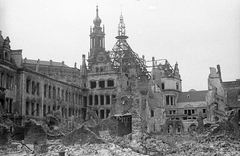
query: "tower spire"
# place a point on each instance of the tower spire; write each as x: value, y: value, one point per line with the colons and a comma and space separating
x: 121, y: 28
x: 97, y: 21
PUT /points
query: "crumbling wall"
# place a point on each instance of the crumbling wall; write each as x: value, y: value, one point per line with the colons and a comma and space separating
x: 215, y: 95
x: 155, y: 116
x: 34, y: 133
x: 173, y: 127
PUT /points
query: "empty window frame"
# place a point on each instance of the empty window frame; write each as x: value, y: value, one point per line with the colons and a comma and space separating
x: 38, y: 88
x: 110, y: 83
x: 163, y: 86
x: 107, y: 99
x: 28, y: 85
x: 54, y: 92
x: 32, y: 109
x: 33, y: 88
x: 49, y: 91
x: 90, y: 100
x: 107, y: 113
x: 37, y: 110
x: 204, y: 110
x: 45, y: 90
x: 93, y: 84
x: 101, y: 99
x: 96, y: 99
x: 101, y: 84
x: 152, y: 113
x: 27, y: 108
x: 102, y: 114
x: 44, y: 110
x: 85, y: 101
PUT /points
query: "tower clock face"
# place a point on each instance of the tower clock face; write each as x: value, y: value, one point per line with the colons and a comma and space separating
x: 101, y: 58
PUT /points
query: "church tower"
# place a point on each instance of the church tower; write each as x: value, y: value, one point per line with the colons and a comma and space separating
x: 97, y: 40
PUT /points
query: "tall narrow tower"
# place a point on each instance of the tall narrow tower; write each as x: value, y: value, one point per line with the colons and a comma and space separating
x: 97, y: 39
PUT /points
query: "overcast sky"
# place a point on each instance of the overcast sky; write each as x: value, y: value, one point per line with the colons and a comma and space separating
x: 197, y: 34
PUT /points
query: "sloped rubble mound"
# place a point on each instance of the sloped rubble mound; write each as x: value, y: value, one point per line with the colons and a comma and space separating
x: 81, y: 136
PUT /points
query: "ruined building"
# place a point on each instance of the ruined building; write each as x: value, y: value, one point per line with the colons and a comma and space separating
x: 115, y: 83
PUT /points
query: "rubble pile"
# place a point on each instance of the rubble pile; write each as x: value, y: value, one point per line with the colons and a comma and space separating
x: 108, y: 149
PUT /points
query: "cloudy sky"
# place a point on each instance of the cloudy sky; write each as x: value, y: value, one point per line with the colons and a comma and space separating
x: 197, y: 34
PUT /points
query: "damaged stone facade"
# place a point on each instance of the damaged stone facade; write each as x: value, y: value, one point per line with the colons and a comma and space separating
x: 112, y: 83
x: 215, y: 98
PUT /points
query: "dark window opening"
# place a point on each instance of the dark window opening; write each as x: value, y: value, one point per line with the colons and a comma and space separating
x: 185, y: 111
x: 101, y: 69
x: 66, y: 96
x: 97, y: 69
x: 177, y: 86
x: 49, y: 109
x: 167, y: 100
x: 69, y: 112
x: 37, y: 111
x: 45, y: 90
x: 163, y: 86
x: 193, y: 111
x: 27, y: 108
x: 172, y: 100
x: 204, y: 110
x: 107, y: 99
x: 101, y: 114
x: 73, y: 98
x: 110, y: 83
x: 28, y: 86
x: 96, y: 100
x: 2, y: 79
x: 32, y: 110
x: 102, y: 84
x: 49, y: 91
x: 93, y: 84
x: 107, y: 113
x: 85, y: 101
x: 189, y: 112
x: 62, y: 94
x: 33, y: 87
x: 44, y: 110
x: 38, y: 88
x: 101, y: 100
x: 184, y: 118
x: 174, y: 111
x: 90, y: 99
x: 152, y: 113
x: 54, y: 92
x: 179, y: 129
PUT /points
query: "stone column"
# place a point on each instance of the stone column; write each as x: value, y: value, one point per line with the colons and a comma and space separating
x: 99, y: 100
x: 105, y: 100
x: 110, y: 96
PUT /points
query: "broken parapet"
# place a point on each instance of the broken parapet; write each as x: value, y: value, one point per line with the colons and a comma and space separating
x: 34, y: 133
x: 81, y: 136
